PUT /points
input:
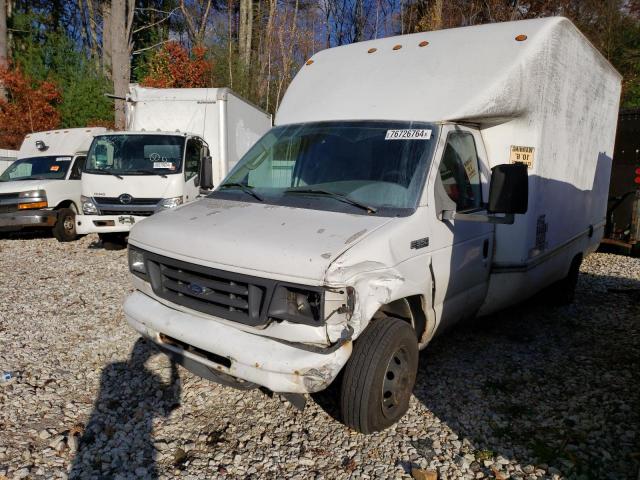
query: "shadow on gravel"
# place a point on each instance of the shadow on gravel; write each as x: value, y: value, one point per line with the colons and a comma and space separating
x: 26, y: 234
x: 117, y: 441
x: 546, y: 385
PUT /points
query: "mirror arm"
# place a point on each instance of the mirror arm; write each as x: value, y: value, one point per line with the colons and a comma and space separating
x: 507, y: 219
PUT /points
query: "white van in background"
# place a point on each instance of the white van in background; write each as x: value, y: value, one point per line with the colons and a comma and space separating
x: 7, y: 157
x: 409, y: 182
x: 178, y: 142
x: 42, y: 187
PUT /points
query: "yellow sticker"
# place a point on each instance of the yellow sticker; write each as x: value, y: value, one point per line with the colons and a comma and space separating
x: 520, y: 154
x: 470, y: 168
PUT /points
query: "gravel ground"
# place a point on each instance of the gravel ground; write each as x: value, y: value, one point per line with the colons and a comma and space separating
x: 535, y: 392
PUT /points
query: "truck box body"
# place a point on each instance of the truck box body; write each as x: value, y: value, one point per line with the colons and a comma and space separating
x: 551, y: 92
x: 228, y: 123
x: 7, y: 157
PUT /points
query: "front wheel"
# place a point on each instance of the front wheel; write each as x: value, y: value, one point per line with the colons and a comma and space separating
x: 379, y: 377
x: 65, y: 228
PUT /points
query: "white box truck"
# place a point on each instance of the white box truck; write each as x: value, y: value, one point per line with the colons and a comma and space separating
x: 178, y: 142
x: 41, y: 189
x: 409, y: 182
x: 7, y: 157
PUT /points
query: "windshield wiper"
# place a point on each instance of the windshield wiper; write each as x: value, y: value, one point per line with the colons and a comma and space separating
x: 338, y: 196
x: 102, y: 171
x: 150, y: 172
x: 245, y: 188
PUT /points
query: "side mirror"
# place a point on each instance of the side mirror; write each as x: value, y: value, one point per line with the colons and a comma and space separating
x: 206, y: 174
x: 509, y: 189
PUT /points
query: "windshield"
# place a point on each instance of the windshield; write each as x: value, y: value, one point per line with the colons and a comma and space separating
x: 367, y: 167
x: 37, y: 168
x: 135, y: 154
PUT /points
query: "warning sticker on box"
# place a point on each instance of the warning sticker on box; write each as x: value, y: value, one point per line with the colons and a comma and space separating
x: 520, y: 154
x: 408, y: 134
x: 168, y: 165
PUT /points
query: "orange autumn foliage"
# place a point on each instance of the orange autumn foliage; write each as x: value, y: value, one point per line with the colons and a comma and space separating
x: 28, y: 107
x: 173, y: 67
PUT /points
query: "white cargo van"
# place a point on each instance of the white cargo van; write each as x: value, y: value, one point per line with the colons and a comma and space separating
x: 409, y: 182
x: 172, y: 134
x: 42, y: 187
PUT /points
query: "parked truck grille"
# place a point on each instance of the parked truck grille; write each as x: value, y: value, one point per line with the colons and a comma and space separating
x: 8, y: 208
x: 240, y: 298
x: 139, y: 213
x: 106, y: 201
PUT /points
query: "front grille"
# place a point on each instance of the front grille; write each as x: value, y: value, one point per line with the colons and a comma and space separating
x: 139, y: 213
x: 8, y: 208
x: 9, y: 196
x: 106, y: 201
x: 236, y: 297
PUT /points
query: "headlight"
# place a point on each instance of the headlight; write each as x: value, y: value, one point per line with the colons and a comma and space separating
x: 89, y: 206
x: 167, y: 203
x: 33, y: 194
x: 297, y: 305
x: 136, y: 261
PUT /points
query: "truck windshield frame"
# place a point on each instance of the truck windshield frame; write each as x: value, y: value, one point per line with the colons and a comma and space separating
x: 136, y: 154
x: 49, y: 167
x: 371, y: 167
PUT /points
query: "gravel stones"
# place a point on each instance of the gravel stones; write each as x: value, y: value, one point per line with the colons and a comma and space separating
x: 533, y: 392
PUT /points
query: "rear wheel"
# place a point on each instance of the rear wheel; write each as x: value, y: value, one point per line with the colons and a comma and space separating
x: 113, y: 241
x: 65, y: 228
x: 564, y: 291
x: 379, y: 377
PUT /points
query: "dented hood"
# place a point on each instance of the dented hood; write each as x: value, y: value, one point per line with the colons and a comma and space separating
x: 285, y: 243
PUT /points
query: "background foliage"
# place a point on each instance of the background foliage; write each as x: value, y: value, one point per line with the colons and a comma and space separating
x: 252, y: 46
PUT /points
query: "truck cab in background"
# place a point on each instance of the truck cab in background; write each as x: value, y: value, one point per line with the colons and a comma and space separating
x: 41, y: 189
x: 132, y: 175
x: 178, y: 143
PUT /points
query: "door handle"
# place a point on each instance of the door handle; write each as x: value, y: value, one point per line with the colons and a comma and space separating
x: 485, y: 248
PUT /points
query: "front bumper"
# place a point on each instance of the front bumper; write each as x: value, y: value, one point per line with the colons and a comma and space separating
x: 280, y: 367
x: 28, y: 218
x: 105, y: 223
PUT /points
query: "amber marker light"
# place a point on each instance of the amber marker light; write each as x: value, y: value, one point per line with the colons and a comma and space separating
x: 309, y: 62
x: 397, y: 47
x: 423, y: 43
x: 521, y: 38
x: 29, y: 206
x: 372, y: 50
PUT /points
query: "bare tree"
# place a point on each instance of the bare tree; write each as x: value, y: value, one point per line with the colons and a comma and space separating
x: 121, y: 48
x: 4, y: 41
x: 245, y: 31
x: 199, y: 10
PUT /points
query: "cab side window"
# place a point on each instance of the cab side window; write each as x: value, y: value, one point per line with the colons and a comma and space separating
x: 192, y: 159
x: 76, y: 169
x: 460, y: 172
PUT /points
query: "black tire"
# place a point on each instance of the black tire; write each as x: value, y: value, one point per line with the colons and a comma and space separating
x: 113, y: 241
x: 379, y: 377
x: 564, y: 291
x: 65, y: 228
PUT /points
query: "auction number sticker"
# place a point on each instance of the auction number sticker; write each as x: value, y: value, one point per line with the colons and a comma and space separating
x: 408, y: 134
x: 520, y: 154
x: 63, y: 159
x: 168, y: 165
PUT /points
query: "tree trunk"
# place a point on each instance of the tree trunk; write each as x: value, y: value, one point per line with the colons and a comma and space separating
x: 4, y: 42
x: 120, y: 61
x: 245, y: 31
x: 106, y: 38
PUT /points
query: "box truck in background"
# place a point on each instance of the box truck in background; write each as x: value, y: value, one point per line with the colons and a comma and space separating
x: 175, y: 139
x: 42, y: 187
x: 622, y: 233
x: 7, y: 157
x: 409, y: 182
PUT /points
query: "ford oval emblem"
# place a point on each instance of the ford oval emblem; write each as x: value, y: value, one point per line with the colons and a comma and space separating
x: 125, y: 199
x: 195, y: 288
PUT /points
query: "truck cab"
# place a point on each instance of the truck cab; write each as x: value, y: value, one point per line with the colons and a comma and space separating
x: 131, y: 175
x: 41, y: 189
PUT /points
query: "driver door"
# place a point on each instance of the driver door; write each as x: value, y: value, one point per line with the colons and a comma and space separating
x: 192, y: 161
